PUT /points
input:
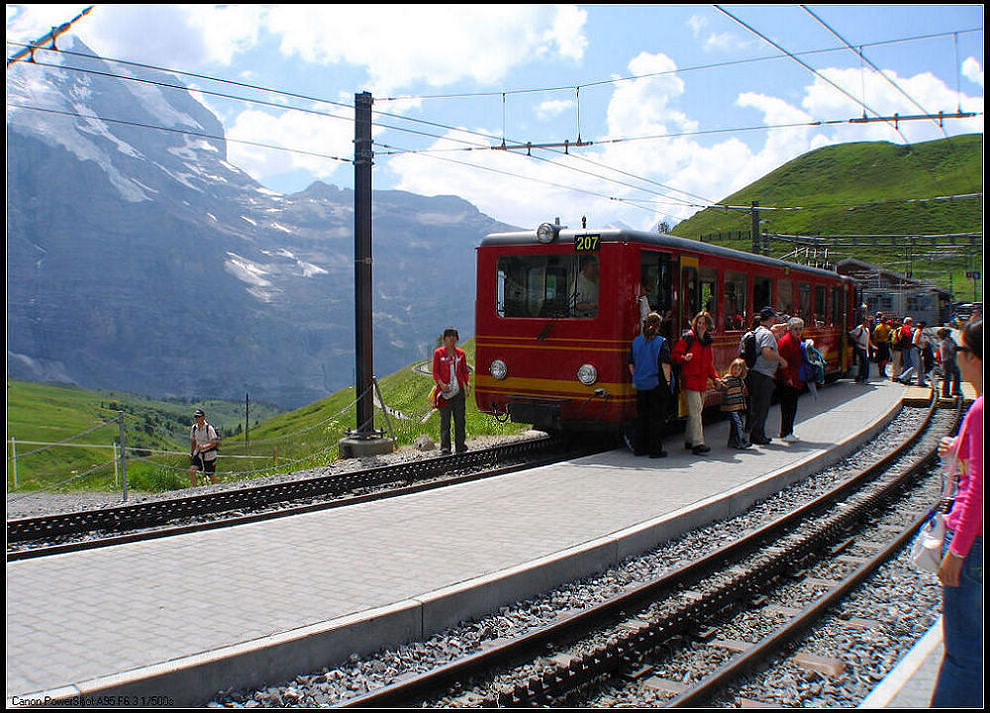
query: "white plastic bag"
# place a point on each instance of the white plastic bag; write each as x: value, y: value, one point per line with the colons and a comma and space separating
x: 926, y: 552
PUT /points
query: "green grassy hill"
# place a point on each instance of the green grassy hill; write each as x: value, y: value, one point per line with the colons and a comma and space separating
x: 868, y: 188
x: 84, y: 424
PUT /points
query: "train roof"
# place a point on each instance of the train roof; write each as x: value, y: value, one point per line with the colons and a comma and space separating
x: 621, y: 235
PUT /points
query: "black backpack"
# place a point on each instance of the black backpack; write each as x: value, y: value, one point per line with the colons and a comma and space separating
x: 748, y: 350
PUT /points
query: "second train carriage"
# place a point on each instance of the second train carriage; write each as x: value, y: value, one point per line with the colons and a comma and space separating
x: 557, y: 310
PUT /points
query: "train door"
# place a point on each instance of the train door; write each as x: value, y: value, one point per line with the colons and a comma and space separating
x: 762, y: 292
x: 689, y: 295
x: 657, y: 284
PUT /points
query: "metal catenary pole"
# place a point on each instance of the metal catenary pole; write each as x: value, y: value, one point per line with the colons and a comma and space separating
x: 363, y: 161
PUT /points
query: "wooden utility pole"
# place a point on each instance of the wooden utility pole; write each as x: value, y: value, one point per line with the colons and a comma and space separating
x: 755, y: 215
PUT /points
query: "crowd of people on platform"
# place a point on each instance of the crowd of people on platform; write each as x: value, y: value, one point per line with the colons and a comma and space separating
x: 909, y: 352
x: 902, y: 351
x: 771, y: 367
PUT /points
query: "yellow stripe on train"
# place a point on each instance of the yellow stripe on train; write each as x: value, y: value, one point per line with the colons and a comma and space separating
x: 523, y: 387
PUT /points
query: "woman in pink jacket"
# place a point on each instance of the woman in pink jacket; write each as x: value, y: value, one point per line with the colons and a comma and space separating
x: 960, y: 678
x: 693, y: 353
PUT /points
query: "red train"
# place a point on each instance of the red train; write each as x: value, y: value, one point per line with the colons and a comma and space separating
x: 557, y: 310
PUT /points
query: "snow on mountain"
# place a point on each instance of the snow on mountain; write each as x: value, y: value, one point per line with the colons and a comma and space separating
x: 139, y: 258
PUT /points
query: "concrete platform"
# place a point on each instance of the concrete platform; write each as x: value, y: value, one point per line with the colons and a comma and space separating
x: 911, y: 683
x: 173, y: 621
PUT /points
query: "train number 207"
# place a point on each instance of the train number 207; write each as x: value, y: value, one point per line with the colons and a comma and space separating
x: 587, y: 243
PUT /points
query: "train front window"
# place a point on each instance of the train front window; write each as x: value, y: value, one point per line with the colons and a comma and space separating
x: 558, y: 286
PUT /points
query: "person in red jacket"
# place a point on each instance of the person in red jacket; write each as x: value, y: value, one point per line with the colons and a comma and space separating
x: 789, y: 384
x: 693, y: 354
x: 450, y: 371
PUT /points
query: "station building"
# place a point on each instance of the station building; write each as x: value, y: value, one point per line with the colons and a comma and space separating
x: 895, y: 295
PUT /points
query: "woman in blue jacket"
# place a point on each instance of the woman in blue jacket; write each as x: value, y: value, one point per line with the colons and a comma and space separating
x: 649, y: 365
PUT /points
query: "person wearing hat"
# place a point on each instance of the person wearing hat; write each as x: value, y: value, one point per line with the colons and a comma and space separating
x: 768, y: 360
x: 203, y: 443
x: 881, y: 338
x: 450, y: 371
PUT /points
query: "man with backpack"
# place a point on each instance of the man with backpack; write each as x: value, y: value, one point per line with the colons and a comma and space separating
x: 204, y: 442
x: 768, y: 360
x: 747, y: 345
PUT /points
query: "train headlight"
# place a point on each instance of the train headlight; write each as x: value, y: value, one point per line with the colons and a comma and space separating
x: 587, y: 374
x: 547, y: 232
x: 498, y: 369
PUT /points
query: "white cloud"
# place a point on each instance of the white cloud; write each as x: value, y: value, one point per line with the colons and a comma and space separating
x: 400, y: 45
x: 641, y: 107
x: 527, y: 191
x: 300, y: 132
x: 553, y: 108
x: 714, y: 41
x: 973, y: 70
x: 567, y: 32
x: 926, y: 94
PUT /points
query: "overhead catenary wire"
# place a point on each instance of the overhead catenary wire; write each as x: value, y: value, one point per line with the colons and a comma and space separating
x: 184, y: 132
x: 680, y: 70
x: 806, y: 66
x: 481, y: 136
x: 875, y: 68
x: 472, y: 145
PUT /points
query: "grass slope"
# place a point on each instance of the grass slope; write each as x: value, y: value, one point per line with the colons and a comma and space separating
x: 157, y: 431
x: 868, y: 188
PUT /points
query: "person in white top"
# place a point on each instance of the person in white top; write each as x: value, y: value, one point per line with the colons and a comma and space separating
x: 203, y: 443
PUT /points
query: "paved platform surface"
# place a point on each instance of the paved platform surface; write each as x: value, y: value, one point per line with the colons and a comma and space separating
x: 184, y: 617
x: 911, y: 683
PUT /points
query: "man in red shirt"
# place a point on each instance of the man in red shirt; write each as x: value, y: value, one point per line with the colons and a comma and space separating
x: 450, y: 371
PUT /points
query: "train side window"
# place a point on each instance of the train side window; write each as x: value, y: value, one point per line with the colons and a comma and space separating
x: 821, y: 313
x: 785, y: 297
x: 836, y: 313
x: 762, y: 292
x: 735, y: 300
x: 709, y: 292
x: 804, y: 302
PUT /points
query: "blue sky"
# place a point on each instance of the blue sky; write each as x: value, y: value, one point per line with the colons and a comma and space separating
x: 683, y: 104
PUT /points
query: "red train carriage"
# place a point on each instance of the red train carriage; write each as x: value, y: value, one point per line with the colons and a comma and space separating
x: 557, y: 310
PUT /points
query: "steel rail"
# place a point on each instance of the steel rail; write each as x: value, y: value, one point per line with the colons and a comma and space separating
x: 775, y: 642
x: 603, y: 661
x: 810, y: 615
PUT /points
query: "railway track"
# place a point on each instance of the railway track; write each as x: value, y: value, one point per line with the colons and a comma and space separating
x: 67, y: 532
x: 642, y: 648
